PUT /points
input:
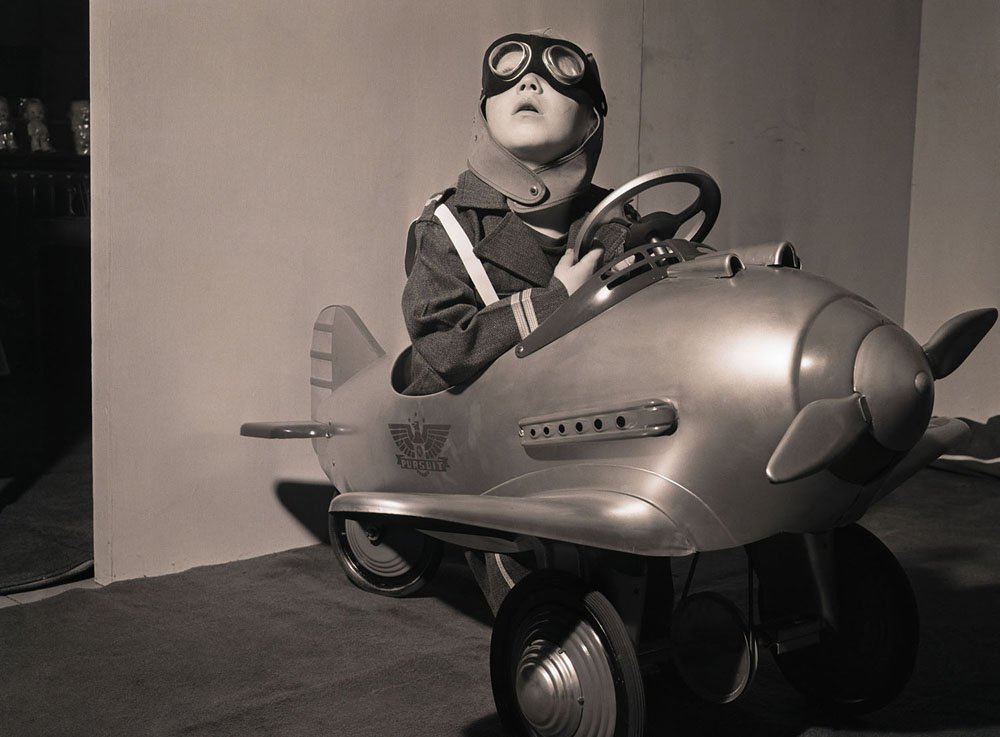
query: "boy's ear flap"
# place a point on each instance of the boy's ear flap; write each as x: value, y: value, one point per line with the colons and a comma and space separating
x: 602, y: 106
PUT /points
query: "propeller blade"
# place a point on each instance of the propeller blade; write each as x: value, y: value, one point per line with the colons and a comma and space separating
x: 956, y: 339
x: 820, y: 432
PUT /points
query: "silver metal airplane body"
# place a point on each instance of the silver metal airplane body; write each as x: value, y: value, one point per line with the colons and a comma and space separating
x: 692, y: 382
x: 681, y: 401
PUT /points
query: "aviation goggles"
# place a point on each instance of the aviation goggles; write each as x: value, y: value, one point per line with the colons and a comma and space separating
x: 563, y: 64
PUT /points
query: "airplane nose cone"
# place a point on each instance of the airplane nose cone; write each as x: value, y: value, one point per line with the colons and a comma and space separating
x: 893, y: 374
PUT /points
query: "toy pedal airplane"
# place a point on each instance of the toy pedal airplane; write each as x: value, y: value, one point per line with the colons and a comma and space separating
x: 681, y: 401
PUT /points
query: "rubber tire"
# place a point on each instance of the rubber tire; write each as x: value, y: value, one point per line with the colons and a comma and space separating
x: 867, y: 663
x: 560, y: 592
x: 420, y: 562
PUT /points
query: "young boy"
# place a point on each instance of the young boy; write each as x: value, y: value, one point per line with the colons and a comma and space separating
x: 487, y: 259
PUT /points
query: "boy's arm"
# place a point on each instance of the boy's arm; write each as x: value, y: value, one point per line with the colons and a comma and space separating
x: 449, y: 326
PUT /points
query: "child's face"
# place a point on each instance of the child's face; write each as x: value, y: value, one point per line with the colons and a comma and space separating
x: 535, y: 123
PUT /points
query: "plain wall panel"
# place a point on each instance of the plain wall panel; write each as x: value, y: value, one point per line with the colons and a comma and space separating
x: 803, y: 110
x: 254, y: 161
x: 954, y: 260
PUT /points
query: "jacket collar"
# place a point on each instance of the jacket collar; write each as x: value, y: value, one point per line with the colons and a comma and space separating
x: 473, y: 192
x: 503, y: 245
x: 529, y: 189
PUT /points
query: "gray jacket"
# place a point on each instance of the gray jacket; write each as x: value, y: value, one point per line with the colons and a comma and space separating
x: 454, y: 335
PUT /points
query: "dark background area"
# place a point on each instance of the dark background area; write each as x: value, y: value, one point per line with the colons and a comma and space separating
x: 44, y: 243
x: 45, y: 53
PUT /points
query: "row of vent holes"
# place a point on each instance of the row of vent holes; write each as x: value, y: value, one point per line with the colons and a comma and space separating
x: 598, y: 425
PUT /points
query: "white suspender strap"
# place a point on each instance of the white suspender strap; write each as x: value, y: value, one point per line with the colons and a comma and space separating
x: 471, y: 262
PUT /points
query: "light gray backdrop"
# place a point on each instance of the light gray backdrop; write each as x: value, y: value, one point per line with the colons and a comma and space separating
x: 254, y: 161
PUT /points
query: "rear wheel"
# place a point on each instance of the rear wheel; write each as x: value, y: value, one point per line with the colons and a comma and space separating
x: 715, y: 653
x: 562, y: 663
x: 868, y: 660
x: 387, y: 559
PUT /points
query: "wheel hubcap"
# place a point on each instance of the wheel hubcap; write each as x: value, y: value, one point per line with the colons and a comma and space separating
x: 381, y: 551
x: 562, y: 677
x: 548, y: 689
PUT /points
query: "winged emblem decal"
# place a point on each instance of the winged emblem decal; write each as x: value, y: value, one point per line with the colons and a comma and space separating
x: 420, y: 445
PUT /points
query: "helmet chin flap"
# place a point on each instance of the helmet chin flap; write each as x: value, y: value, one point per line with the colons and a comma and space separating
x: 527, y: 190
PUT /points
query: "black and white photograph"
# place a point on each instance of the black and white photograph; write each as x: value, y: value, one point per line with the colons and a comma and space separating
x: 496, y: 368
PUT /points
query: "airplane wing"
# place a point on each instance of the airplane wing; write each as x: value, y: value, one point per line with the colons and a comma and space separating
x: 293, y: 429
x: 593, y: 517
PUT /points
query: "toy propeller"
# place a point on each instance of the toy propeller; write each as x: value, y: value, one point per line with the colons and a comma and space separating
x: 956, y: 339
x: 893, y: 404
x: 820, y: 432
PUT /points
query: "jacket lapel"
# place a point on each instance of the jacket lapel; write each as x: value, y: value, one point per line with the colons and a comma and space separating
x: 505, y: 246
x: 505, y: 243
x: 509, y: 243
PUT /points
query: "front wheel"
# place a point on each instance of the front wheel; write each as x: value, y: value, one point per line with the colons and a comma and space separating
x: 562, y: 663
x: 863, y: 664
x: 386, y: 559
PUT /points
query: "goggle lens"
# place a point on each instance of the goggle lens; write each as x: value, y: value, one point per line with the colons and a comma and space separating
x: 564, y: 64
x: 509, y: 59
x: 561, y: 63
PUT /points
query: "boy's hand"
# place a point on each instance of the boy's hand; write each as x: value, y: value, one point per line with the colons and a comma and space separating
x: 574, y: 274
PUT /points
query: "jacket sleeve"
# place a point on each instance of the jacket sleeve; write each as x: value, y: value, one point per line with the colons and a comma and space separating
x: 451, y: 329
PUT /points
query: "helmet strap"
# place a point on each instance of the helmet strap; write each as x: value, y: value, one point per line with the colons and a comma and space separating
x: 530, y: 190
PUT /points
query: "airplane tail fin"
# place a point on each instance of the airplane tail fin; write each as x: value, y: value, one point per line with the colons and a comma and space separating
x: 341, y: 346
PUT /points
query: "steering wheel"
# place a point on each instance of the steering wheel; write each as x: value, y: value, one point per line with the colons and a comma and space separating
x: 658, y: 225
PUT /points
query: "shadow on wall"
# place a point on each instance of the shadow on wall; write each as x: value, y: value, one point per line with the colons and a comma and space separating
x: 309, y: 504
